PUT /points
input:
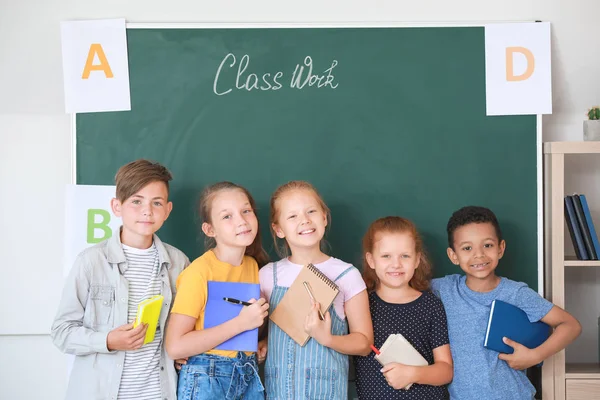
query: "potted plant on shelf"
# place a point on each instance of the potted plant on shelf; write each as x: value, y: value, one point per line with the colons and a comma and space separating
x: 591, y: 127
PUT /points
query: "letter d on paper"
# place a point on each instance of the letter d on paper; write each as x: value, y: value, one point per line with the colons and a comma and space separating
x: 510, y: 75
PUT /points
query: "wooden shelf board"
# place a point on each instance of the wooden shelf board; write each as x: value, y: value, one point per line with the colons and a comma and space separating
x: 574, y: 262
x: 581, y: 263
x: 583, y: 371
x: 572, y: 147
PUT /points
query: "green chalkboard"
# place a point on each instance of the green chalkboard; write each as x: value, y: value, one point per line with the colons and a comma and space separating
x: 390, y: 121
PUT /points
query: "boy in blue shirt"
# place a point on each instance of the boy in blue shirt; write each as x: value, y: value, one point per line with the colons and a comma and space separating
x: 476, y: 245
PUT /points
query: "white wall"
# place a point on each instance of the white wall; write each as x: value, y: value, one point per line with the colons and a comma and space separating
x: 35, y: 152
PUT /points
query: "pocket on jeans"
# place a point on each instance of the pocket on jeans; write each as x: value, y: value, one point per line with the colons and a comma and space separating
x: 210, y: 387
x: 320, y: 384
x: 196, y: 384
x: 271, y: 382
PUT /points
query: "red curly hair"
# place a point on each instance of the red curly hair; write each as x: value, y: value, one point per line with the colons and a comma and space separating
x: 422, y: 277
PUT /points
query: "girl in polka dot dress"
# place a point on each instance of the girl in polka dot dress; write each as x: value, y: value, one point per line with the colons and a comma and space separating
x: 397, y: 274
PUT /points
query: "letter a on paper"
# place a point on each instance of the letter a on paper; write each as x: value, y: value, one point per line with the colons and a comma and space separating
x: 96, y: 49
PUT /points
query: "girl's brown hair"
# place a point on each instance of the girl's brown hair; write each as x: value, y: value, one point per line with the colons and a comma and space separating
x: 422, y: 277
x: 281, y: 246
x: 205, y: 206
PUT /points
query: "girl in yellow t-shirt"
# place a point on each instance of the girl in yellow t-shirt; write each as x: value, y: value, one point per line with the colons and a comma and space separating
x: 235, y: 252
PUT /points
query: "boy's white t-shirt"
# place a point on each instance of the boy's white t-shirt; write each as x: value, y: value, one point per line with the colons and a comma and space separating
x: 350, y: 284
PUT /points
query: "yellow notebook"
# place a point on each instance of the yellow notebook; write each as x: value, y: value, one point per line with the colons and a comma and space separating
x: 148, y: 312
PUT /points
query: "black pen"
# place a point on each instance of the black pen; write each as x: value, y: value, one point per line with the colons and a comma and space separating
x: 236, y: 301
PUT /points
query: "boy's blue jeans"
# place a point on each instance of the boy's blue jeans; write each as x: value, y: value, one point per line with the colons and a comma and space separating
x: 208, y: 376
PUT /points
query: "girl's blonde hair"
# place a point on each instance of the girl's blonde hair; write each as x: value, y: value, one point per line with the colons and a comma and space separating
x: 422, y: 277
x: 281, y: 246
x: 205, y: 207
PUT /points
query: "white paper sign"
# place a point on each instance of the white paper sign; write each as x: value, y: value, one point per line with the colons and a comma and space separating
x: 95, y: 66
x: 518, y: 69
x: 88, y: 219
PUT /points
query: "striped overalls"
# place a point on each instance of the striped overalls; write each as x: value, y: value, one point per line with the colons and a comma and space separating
x: 311, y: 372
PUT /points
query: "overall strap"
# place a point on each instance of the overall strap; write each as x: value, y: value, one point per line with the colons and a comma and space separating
x: 343, y: 273
x: 274, y: 274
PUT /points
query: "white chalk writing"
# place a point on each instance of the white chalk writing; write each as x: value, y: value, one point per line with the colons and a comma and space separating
x: 246, y: 80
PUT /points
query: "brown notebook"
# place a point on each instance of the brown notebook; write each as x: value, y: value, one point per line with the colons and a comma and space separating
x: 291, y: 312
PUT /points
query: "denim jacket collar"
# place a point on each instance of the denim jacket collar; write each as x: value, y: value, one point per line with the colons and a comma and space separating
x: 115, y: 254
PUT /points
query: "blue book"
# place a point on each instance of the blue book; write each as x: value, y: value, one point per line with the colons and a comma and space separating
x: 583, y: 227
x: 588, y: 218
x: 574, y: 230
x: 219, y: 311
x: 510, y: 321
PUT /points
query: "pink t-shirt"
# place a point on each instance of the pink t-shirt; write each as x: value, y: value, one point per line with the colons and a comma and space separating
x: 350, y: 284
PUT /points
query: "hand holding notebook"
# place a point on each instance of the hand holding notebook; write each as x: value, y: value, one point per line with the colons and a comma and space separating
x: 218, y: 310
x: 396, y: 349
x: 148, y: 313
x: 510, y: 321
x: 296, y: 304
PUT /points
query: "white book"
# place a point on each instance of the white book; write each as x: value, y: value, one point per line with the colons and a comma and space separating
x: 397, y: 349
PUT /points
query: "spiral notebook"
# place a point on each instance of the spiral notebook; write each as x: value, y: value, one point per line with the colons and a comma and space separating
x: 291, y: 312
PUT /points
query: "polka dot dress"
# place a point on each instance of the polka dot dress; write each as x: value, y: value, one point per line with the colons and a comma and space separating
x: 423, y: 323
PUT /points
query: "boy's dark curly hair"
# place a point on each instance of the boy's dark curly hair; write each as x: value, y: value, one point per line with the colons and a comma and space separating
x: 471, y: 215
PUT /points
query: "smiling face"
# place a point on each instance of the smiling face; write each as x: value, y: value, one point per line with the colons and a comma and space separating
x: 394, y: 259
x: 143, y: 213
x: 233, y: 223
x: 477, y: 250
x: 301, y: 220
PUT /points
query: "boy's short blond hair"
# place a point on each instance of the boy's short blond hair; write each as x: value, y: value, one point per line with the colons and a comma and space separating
x: 132, y: 177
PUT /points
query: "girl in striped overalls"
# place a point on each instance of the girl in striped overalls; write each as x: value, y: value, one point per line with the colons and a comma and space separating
x: 319, y: 369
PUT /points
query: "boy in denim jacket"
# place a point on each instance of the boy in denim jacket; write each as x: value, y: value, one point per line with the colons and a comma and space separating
x: 99, y: 302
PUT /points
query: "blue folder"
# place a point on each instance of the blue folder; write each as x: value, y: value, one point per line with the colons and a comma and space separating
x: 219, y: 311
x: 510, y: 321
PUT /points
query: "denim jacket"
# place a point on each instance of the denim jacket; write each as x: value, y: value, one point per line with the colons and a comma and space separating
x: 94, y: 302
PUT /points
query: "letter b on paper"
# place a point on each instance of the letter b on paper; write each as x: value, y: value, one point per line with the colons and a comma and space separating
x: 98, y: 228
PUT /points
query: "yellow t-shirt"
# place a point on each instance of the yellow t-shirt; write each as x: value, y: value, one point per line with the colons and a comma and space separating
x: 192, y: 286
